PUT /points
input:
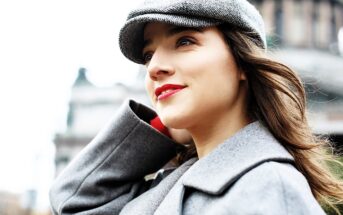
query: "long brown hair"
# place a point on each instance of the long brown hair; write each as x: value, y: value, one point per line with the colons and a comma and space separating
x: 277, y: 99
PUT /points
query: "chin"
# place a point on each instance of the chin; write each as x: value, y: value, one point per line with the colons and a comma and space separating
x: 176, y: 113
x: 176, y: 121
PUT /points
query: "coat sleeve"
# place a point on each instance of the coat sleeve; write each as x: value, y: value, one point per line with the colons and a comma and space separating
x: 272, y: 188
x: 110, y: 170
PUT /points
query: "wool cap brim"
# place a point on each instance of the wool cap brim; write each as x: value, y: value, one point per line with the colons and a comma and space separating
x: 131, y: 35
x: 187, y: 13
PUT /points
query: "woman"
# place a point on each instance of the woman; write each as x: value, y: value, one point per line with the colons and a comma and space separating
x: 235, y: 119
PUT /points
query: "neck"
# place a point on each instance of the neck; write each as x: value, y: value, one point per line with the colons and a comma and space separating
x: 211, y: 133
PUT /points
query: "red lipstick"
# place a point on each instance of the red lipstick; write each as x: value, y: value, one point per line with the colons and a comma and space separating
x: 167, y: 90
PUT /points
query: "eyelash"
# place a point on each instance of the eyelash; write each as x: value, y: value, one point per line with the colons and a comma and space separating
x: 145, y: 56
x: 180, y: 42
x: 184, y: 39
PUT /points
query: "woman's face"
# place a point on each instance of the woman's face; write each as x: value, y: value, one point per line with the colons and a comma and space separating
x: 192, y: 77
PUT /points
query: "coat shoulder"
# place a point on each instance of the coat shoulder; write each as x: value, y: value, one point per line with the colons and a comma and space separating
x: 274, y: 186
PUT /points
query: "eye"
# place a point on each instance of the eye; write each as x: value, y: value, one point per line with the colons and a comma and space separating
x: 184, y: 41
x: 147, y: 57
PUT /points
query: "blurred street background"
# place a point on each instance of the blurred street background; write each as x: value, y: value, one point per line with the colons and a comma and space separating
x: 62, y: 77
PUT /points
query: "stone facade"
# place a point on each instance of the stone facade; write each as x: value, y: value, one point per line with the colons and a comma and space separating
x: 302, y: 23
x: 90, y: 108
x: 304, y: 35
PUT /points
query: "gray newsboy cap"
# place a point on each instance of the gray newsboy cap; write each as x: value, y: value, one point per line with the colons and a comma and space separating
x: 187, y: 13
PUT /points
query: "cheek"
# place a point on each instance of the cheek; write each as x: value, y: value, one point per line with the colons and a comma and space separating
x: 221, y: 86
x: 149, y: 87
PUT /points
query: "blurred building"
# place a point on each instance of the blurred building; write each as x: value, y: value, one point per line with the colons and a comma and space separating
x: 301, y: 33
x: 310, y: 24
x: 90, y: 107
x: 304, y: 35
x: 10, y: 204
x: 20, y: 204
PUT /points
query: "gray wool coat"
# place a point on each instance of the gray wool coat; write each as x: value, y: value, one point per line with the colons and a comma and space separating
x: 249, y: 173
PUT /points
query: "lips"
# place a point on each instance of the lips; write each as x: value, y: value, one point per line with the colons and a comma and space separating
x: 167, y: 90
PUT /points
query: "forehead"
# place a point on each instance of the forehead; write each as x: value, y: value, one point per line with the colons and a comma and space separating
x: 156, y: 29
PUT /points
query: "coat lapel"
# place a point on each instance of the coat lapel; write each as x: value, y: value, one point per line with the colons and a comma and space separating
x: 148, y: 202
x: 248, y: 148
x: 172, y: 204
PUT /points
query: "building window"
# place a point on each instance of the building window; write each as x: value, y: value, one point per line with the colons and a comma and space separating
x: 62, y: 160
x: 333, y: 24
x: 315, y: 23
x: 279, y: 14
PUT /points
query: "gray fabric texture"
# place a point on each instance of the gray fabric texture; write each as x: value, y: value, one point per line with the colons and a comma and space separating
x: 249, y: 173
x: 109, y: 171
x: 188, y: 13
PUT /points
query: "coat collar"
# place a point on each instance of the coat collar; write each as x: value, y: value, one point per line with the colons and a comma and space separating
x: 248, y: 148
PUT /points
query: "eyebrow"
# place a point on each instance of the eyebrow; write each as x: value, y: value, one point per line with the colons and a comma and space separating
x: 173, y: 31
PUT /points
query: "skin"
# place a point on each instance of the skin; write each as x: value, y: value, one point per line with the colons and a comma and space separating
x: 213, y: 105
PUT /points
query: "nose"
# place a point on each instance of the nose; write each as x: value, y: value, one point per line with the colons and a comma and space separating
x: 160, y: 66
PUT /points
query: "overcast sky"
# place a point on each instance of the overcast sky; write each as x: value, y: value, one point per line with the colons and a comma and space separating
x: 43, y: 43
